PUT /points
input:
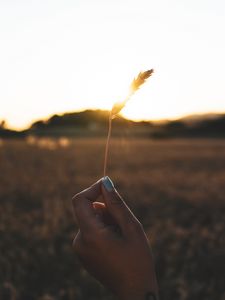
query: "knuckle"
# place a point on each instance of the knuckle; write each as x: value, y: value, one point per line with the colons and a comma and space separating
x: 140, y: 226
x: 137, y: 226
x: 76, y: 200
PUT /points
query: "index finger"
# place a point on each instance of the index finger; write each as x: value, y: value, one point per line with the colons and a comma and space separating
x: 84, y: 210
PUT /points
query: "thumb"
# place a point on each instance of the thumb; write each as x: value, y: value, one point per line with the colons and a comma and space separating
x: 117, y: 207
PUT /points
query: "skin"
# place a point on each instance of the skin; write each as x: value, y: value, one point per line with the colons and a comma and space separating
x: 112, y: 244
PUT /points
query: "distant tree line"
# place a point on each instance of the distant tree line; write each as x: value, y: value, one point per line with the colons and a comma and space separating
x: 213, y: 128
x: 79, y: 119
x: 95, y: 121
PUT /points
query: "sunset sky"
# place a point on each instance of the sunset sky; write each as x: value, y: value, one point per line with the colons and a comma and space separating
x: 60, y: 56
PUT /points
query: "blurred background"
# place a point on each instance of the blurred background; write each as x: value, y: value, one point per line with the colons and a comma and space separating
x: 63, y: 65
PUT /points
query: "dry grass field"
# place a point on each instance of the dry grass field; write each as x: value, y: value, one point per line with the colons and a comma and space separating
x: 175, y: 187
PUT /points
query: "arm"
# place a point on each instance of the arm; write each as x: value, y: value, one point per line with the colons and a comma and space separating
x: 112, y: 244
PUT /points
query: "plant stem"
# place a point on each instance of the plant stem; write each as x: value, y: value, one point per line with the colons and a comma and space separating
x: 107, y: 144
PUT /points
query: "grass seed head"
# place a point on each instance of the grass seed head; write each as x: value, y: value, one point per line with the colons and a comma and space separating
x: 137, y: 82
x: 135, y: 85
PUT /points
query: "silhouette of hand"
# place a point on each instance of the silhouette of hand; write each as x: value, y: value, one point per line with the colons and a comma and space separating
x: 112, y: 244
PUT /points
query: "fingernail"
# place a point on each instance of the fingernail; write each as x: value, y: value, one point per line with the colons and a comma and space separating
x: 108, y: 184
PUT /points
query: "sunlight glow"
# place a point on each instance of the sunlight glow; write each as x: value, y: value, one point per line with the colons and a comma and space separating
x: 59, y: 57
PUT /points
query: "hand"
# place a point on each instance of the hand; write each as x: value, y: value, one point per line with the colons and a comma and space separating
x: 112, y: 244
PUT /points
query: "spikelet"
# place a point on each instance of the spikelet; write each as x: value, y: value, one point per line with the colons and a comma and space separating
x: 135, y: 85
x: 137, y: 82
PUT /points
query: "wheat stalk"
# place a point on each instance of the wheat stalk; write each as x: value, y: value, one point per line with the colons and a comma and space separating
x: 118, y: 106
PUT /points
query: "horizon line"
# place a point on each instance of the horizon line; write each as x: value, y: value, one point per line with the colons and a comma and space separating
x: 168, y: 119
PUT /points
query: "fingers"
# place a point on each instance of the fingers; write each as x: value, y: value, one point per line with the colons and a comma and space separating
x: 92, y: 216
x: 104, y: 214
x: 118, y: 208
x: 84, y: 210
x: 93, y: 192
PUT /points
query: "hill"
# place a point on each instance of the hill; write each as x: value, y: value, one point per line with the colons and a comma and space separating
x: 212, y: 126
x: 95, y: 123
x: 86, y: 119
x: 86, y: 123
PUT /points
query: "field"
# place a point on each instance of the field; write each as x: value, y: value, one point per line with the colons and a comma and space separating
x: 175, y: 187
